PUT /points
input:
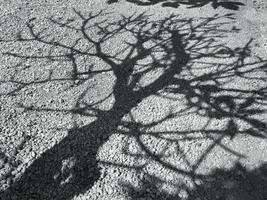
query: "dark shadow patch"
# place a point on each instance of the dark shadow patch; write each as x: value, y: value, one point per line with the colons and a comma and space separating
x: 237, y: 183
x: 231, y: 5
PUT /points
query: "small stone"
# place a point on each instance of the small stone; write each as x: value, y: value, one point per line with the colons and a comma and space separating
x: 33, y: 154
x: 183, y: 194
x: 198, y: 182
x: 109, y: 190
x: 2, y: 163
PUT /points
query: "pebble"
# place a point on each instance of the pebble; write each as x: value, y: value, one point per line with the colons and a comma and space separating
x: 2, y: 163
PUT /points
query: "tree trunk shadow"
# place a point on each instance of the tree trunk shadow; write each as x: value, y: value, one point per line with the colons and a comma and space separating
x: 68, y: 168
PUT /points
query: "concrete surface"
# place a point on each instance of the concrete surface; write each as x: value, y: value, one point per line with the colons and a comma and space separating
x: 173, y: 105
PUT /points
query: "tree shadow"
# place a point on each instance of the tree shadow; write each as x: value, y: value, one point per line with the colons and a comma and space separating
x: 171, y: 48
x: 232, y: 5
x: 235, y: 183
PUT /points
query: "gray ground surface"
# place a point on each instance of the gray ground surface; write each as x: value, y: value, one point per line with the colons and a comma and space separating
x: 172, y: 106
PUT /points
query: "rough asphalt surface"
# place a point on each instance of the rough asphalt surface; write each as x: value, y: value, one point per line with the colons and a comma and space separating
x: 133, y: 99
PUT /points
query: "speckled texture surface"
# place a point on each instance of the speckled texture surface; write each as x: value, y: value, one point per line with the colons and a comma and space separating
x: 185, y: 120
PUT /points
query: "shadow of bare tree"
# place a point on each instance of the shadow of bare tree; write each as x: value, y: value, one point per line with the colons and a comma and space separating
x: 160, y: 58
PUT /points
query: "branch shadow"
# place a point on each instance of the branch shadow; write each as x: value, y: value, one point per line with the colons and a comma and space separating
x: 235, y: 183
x: 231, y: 5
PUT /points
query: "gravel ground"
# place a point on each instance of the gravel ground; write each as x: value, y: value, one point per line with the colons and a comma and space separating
x: 120, y: 100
